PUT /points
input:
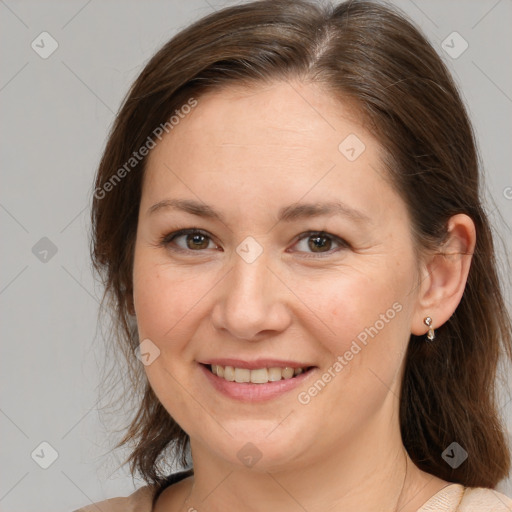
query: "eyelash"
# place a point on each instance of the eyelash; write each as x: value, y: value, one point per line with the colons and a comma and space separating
x: 166, y: 241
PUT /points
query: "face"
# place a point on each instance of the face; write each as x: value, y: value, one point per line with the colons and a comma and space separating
x: 269, y: 238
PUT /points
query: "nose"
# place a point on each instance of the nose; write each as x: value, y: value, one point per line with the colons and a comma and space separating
x: 252, y: 302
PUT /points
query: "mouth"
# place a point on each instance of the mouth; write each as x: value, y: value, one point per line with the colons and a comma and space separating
x: 257, y: 381
x: 257, y: 375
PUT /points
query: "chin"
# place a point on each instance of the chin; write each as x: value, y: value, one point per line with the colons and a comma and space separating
x: 263, y: 446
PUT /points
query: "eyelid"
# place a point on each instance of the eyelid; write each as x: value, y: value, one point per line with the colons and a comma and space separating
x: 307, y: 234
x: 168, y: 238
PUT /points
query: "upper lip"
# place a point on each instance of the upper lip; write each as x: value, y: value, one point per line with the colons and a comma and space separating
x: 257, y: 363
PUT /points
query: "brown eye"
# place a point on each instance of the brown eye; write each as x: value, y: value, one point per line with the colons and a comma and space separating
x: 188, y: 240
x: 319, y: 243
x: 197, y: 241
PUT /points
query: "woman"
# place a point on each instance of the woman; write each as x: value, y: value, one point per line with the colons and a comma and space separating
x: 288, y: 222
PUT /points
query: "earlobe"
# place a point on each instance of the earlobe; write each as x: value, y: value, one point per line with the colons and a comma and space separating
x: 445, y: 275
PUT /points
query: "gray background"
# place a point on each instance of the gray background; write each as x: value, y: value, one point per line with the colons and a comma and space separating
x: 55, y: 114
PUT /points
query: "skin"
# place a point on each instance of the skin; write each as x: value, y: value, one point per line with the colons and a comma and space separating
x: 247, y: 153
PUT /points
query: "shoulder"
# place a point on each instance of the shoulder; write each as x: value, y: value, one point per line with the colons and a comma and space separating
x: 480, y: 499
x: 174, y: 494
x: 457, y: 498
x: 140, y: 501
x: 143, y: 499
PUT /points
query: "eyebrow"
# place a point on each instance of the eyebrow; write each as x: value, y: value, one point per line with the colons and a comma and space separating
x: 306, y: 210
x: 287, y: 214
x: 186, y: 205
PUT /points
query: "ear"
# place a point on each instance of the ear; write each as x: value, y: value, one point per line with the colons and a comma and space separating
x: 444, y: 275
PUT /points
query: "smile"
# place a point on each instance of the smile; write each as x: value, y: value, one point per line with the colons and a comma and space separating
x: 256, y: 376
x: 263, y: 380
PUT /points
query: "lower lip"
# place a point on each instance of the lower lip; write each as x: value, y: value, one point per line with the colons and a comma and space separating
x: 249, y: 392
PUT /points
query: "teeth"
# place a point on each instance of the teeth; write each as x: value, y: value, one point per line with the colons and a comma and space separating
x: 229, y: 373
x: 258, y: 376
x: 274, y: 374
x: 287, y: 373
x: 241, y: 375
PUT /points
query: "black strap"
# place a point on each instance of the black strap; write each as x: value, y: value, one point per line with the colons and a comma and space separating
x: 170, y: 480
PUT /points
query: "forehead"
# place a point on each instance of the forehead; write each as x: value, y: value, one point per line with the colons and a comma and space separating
x: 281, y: 141
x: 274, y: 116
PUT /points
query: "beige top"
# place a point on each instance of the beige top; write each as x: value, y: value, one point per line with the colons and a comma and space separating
x: 452, y: 498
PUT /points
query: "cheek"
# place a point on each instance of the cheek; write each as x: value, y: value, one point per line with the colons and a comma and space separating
x: 164, y: 299
x: 365, y: 320
x: 348, y: 307
x: 362, y: 322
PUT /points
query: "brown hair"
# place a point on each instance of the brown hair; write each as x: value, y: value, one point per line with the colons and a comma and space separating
x: 372, y: 56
